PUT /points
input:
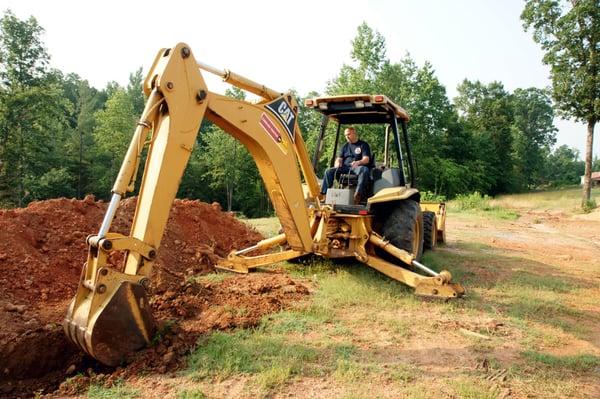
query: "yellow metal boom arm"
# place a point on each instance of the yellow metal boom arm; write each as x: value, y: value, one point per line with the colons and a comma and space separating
x: 109, y: 302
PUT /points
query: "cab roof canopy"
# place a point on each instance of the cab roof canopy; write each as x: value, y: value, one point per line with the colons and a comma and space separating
x: 352, y: 109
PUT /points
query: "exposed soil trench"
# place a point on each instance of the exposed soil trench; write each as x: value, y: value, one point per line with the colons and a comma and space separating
x: 42, y: 249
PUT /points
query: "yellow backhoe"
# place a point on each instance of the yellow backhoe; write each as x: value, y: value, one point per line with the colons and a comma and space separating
x: 110, y: 316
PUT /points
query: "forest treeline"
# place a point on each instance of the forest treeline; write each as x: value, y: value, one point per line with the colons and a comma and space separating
x: 59, y: 136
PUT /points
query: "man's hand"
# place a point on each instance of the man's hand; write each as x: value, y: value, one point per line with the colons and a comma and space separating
x: 363, y: 161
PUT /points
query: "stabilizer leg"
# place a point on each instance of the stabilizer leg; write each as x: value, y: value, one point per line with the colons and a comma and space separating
x: 437, y: 285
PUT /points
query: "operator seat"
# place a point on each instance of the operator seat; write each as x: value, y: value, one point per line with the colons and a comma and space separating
x: 351, y: 180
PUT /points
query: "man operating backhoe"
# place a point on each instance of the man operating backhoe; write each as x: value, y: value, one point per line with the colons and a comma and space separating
x: 355, y: 157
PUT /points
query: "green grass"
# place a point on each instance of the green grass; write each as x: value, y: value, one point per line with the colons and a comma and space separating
x: 564, y: 364
x: 564, y: 199
x: 273, y: 377
x: 402, y: 373
x: 191, y: 394
x: 355, y: 370
x: 275, y: 352
x: 527, y: 297
x: 215, y: 277
x: 295, y: 321
x: 117, y: 391
x: 272, y: 358
x: 268, y: 227
x: 589, y: 206
x: 248, y: 351
x: 356, y: 285
x: 535, y: 338
x: 541, y: 282
x: 463, y: 262
x: 474, y: 389
x: 481, y: 204
x: 399, y: 327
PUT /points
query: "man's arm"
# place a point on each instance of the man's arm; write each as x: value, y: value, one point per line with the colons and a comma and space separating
x: 363, y: 161
x: 339, y: 161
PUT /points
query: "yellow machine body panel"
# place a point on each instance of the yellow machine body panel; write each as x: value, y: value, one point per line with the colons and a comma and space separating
x: 392, y: 194
x: 368, y: 98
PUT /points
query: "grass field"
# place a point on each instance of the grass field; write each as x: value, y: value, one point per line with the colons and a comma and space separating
x: 567, y: 199
x: 529, y: 326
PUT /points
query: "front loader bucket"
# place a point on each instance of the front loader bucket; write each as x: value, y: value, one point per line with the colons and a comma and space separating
x: 117, y: 327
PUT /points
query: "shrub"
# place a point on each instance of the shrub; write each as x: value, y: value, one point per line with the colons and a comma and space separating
x: 428, y: 196
x: 473, y: 201
x: 589, y: 206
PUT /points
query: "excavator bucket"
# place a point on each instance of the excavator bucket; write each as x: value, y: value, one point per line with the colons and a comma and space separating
x: 119, y: 326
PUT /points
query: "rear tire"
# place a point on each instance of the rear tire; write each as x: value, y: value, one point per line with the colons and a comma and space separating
x: 430, y: 230
x: 404, y: 227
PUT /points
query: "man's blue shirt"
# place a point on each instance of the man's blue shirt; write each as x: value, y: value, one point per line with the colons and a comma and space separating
x: 354, y: 152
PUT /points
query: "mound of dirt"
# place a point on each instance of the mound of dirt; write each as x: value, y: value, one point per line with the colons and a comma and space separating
x: 43, y: 247
x: 42, y: 250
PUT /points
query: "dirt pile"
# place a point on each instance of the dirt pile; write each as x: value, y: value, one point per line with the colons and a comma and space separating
x: 42, y: 249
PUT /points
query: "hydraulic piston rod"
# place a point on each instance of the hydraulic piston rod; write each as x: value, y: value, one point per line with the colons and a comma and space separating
x: 424, y: 268
x: 241, y: 81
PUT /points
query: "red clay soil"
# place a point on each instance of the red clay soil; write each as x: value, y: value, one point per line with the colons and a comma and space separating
x: 42, y: 249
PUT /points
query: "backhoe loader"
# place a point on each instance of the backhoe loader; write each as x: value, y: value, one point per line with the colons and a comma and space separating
x: 110, y: 316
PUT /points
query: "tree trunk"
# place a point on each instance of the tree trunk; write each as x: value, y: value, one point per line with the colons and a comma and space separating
x: 21, y: 189
x: 587, y: 176
x: 229, y: 193
x: 79, y: 196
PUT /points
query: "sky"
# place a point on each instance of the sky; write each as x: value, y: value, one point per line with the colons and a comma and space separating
x: 299, y: 45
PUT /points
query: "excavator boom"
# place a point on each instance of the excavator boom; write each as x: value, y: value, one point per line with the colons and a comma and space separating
x: 110, y: 314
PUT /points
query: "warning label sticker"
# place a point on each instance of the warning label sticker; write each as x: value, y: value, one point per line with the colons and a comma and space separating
x: 270, y: 128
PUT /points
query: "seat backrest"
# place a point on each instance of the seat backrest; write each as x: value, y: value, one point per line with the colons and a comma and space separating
x: 371, y: 164
x: 389, y: 178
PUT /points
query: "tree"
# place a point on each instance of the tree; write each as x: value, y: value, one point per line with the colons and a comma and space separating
x: 445, y: 157
x: 564, y: 167
x: 23, y: 55
x: 80, y: 149
x: 114, y: 128
x: 533, y: 134
x: 368, y: 54
x: 32, y: 114
x: 135, y: 91
x: 221, y: 169
x: 369, y: 59
x: 309, y: 121
x: 488, y: 112
x: 570, y: 38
